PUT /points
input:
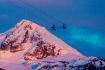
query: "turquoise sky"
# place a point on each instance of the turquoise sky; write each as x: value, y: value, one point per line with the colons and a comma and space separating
x: 85, y: 20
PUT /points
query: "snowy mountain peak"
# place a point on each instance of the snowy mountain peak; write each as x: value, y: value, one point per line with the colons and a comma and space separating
x: 28, y: 43
x: 27, y: 24
x: 40, y: 42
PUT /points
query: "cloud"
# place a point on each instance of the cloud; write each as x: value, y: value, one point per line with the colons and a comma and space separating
x: 87, y: 36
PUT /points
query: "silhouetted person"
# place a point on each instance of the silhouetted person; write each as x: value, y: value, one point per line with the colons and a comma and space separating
x: 53, y: 28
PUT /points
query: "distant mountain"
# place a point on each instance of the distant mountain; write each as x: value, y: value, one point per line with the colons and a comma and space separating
x: 28, y: 46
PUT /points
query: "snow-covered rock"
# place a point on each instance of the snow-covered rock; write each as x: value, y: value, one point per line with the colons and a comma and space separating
x: 76, y: 64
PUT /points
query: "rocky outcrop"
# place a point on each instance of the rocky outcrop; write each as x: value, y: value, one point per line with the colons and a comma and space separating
x: 43, y: 50
x: 64, y: 65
